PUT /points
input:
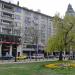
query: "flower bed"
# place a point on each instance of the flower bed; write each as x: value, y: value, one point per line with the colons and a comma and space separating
x: 72, y: 65
x: 59, y: 65
x: 51, y: 66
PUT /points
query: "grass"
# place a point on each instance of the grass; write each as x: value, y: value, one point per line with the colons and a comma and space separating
x: 34, y: 69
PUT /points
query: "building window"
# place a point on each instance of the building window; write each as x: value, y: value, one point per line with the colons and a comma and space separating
x: 28, y: 13
x: 8, y: 15
x: 6, y: 22
x: 16, y: 24
x: 17, y: 17
x: 27, y: 20
x: 18, y: 10
x: 0, y: 29
x: 17, y: 32
x: 6, y: 31
x: 43, y: 26
x: 43, y: 17
x: 35, y: 16
x: 8, y: 7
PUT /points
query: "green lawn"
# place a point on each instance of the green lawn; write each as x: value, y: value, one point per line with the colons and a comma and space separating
x: 33, y: 69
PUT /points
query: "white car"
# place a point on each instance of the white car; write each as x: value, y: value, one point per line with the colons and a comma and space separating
x: 38, y: 56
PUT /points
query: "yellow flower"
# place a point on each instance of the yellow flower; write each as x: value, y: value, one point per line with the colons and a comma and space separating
x: 59, y: 65
x: 72, y: 65
x: 51, y: 66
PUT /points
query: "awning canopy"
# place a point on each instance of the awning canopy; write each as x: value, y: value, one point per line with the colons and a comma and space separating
x: 10, y: 35
x: 3, y: 42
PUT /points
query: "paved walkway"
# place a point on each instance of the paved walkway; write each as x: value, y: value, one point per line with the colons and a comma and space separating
x: 26, y: 61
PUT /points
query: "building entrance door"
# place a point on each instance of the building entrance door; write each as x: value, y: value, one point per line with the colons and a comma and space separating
x: 14, y: 50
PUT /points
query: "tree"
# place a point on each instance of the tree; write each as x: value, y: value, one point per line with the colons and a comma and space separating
x: 32, y: 38
x: 34, y: 34
x: 64, y: 37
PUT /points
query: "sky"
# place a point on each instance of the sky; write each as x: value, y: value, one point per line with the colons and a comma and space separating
x: 48, y: 7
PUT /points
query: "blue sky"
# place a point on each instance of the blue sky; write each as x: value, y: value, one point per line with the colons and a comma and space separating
x: 49, y: 7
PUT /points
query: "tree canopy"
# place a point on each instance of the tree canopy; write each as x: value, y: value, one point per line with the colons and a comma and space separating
x: 64, y: 34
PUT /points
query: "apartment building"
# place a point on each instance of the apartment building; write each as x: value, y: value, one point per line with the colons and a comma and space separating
x: 37, y: 28
x: 22, y: 29
x: 9, y: 29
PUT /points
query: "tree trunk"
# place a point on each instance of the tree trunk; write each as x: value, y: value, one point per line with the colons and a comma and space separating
x: 61, y: 56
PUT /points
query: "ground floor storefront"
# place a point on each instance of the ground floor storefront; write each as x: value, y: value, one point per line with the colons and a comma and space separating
x: 10, y: 45
x: 10, y: 50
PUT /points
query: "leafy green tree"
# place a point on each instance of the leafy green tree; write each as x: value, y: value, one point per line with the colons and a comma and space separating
x: 64, y: 36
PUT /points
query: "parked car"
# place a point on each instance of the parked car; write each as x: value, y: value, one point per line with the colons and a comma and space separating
x: 56, y: 56
x: 6, y: 57
x: 38, y: 56
x: 49, y: 56
x: 21, y: 57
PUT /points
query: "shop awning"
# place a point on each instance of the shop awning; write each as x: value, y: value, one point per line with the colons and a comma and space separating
x: 3, y: 42
x: 9, y: 35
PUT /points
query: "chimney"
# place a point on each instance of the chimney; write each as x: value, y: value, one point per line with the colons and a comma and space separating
x: 18, y: 3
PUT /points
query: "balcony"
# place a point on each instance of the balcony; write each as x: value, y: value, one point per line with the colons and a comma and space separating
x: 7, y: 7
x: 9, y: 28
x: 7, y: 16
x: 8, y: 32
x: 6, y: 23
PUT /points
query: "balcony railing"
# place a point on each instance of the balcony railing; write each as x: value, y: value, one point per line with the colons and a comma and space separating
x: 7, y: 17
x: 8, y: 34
x: 7, y: 7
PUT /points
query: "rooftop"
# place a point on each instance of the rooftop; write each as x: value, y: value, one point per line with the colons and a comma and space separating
x: 9, y: 3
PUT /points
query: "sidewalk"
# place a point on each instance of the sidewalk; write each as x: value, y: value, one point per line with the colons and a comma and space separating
x: 25, y: 61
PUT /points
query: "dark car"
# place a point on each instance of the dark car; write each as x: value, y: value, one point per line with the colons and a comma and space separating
x: 6, y: 57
